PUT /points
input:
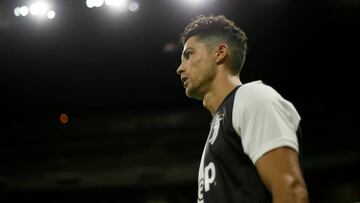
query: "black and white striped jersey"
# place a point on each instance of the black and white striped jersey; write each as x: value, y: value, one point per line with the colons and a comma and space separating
x: 252, y: 120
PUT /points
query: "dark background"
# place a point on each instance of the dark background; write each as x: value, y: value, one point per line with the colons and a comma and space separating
x: 132, y: 134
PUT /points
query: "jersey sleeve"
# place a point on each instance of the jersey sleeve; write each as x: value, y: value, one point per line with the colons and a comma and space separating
x: 264, y: 120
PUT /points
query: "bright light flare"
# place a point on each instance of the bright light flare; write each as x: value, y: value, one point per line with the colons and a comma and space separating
x: 134, y: 6
x: 24, y: 10
x: 17, y: 11
x: 94, y: 3
x: 98, y: 3
x: 90, y: 3
x: 114, y: 2
x: 195, y: 2
x: 39, y: 8
x: 51, y: 14
x: 117, y: 4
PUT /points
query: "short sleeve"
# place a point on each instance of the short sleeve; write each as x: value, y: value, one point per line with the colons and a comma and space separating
x: 264, y: 120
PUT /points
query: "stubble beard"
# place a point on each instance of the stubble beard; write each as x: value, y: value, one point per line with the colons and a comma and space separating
x: 198, y: 90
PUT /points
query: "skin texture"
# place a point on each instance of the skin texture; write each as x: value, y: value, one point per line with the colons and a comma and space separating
x: 206, y: 76
x: 204, y: 73
x: 280, y: 171
x: 200, y: 69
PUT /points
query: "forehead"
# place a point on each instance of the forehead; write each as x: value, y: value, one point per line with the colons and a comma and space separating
x: 193, y: 42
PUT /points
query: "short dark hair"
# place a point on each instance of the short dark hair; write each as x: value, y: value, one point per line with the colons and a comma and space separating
x: 207, y: 27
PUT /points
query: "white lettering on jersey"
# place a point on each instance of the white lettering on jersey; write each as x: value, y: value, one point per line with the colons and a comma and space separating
x: 207, y: 177
x: 210, y: 175
x: 207, y: 174
x: 201, y: 179
x: 200, y: 190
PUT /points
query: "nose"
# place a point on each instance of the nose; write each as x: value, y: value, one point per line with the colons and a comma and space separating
x: 180, y: 69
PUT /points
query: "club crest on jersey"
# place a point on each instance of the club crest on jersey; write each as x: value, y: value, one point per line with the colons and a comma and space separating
x: 215, y: 128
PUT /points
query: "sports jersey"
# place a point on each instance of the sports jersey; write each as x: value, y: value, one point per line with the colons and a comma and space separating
x: 252, y: 120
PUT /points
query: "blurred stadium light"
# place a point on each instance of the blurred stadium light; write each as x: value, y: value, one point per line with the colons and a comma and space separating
x: 39, y: 9
x: 17, y: 11
x: 51, y: 14
x: 134, y: 6
x: 117, y: 5
x: 24, y: 10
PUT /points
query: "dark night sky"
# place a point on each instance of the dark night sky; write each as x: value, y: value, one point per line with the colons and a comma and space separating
x: 87, y: 62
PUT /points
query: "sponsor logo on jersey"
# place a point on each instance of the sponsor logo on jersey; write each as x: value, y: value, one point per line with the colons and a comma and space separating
x: 205, y: 182
x: 207, y: 174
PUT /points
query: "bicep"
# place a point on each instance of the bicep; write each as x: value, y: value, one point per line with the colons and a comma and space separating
x: 280, y: 169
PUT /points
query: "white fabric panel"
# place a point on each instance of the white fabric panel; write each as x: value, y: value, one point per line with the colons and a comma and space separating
x: 264, y: 120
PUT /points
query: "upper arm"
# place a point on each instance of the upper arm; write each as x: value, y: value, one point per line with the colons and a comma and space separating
x: 280, y: 171
x: 279, y: 168
x: 267, y: 125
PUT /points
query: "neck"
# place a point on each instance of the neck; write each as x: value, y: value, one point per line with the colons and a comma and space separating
x: 221, y: 86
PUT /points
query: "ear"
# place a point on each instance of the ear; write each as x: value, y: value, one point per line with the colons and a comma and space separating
x: 222, y: 52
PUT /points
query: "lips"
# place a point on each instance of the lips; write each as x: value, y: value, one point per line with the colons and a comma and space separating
x: 184, y: 80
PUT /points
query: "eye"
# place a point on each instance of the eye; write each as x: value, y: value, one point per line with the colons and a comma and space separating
x: 188, y: 54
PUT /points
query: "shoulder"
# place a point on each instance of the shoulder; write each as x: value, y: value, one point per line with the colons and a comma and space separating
x: 264, y: 119
x: 256, y: 94
x: 257, y: 101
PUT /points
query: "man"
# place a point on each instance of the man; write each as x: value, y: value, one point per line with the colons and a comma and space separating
x: 252, y: 150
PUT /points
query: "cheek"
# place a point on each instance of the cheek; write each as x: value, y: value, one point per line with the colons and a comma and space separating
x: 197, y: 66
x: 207, y: 72
x: 199, y: 69
x: 199, y: 77
x: 196, y: 71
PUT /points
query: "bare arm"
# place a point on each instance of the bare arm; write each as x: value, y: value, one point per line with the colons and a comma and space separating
x: 280, y: 171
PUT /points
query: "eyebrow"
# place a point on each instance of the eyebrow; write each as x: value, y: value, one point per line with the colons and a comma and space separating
x: 185, y: 51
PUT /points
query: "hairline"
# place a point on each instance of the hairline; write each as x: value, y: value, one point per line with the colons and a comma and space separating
x: 210, y: 41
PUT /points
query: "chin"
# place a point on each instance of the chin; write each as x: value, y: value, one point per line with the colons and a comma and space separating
x: 192, y: 94
x: 188, y: 93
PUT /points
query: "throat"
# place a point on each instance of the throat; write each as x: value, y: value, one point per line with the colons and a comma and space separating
x: 210, y: 102
x: 213, y: 99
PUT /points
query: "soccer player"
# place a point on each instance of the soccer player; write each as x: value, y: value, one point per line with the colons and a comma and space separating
x: 252, y: 152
